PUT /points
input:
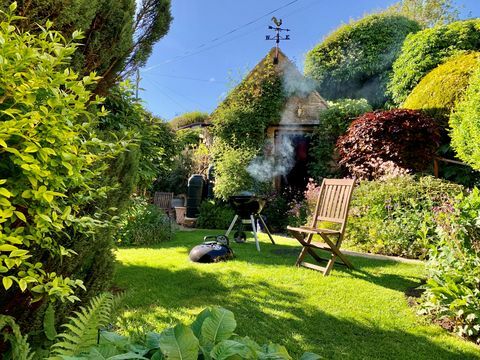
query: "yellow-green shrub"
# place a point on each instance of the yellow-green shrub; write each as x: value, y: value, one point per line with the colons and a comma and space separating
x: 439, y: 91
x: 49, y: 157
x: 465, y: 124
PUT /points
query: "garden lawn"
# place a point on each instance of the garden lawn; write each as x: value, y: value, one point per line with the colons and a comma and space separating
x: 359, y: 314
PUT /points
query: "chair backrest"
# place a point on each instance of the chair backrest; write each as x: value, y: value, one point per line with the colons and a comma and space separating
x: 333, y: 202
x: 163, y: 200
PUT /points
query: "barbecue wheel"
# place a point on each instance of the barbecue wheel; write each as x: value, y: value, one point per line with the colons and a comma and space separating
x: 240, y: 237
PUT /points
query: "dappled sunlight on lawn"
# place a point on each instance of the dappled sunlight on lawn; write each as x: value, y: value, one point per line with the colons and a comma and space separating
x: 349, y: 315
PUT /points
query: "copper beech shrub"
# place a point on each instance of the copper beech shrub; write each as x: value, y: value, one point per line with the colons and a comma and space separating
x: 383, y: 143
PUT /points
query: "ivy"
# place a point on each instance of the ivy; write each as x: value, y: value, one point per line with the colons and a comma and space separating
x: 240, y: 123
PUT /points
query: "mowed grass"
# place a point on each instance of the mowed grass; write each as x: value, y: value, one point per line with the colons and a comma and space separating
x: 359, y: 314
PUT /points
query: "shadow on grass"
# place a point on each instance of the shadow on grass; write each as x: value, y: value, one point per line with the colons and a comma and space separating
x: 363, y: 268
x: 270, y: 313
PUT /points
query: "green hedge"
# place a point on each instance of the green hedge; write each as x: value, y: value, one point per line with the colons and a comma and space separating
x: 465, y: 124
x: 397, y: 216
x: 356, y: 59
x: 439, y: 91
x: 425, y: 50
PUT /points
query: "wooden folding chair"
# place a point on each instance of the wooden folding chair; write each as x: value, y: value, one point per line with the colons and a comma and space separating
x: 332, y: 207
x: 164, y: 201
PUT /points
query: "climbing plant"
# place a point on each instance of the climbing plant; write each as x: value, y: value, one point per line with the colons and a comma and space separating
x: 240, y: 122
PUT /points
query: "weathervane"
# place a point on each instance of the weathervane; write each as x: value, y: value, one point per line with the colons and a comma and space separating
x: 277, y: 37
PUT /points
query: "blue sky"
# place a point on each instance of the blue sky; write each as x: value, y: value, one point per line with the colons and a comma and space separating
x: 191, y: 69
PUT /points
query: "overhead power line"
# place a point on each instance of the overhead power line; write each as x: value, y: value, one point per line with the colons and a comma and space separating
x: 199, y: 47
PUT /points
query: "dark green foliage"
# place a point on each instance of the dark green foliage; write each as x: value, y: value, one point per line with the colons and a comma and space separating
x: 426, y: 49
x: 439, y: 91
x: 355, y: 60
x: 334, y: 121
x: 387, y: 142
x: 397, y: 216
x: 465, y: 124
x: 118, y: 38
x: 194, y: 117
x: 239, y: 125
x: 143, y: 224
x: 214, y: 215
x: 175, y: 178
x: 452, y: 288
x: 18, y: 347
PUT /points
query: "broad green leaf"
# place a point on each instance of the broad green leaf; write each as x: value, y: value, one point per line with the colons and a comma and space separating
x: 219, y: 326
x: 7, y: 282
x: 274, y: 351
x: 231, y: 349
x: 49, y: 323
x: 8, y: 247
x: 196, y: 326
x: 152, y: 340
x: 21, y: 216
x: 23, y: 284
x: 5, y: 192
x: 157, y: 356
x: 310, y: 356
x: 179, y: 343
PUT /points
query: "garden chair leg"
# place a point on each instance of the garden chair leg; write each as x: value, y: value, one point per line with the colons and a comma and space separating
x: 304, y: 251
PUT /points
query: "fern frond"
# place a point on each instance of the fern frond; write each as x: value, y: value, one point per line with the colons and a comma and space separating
x: 81, y: 332
x: 20, y: 347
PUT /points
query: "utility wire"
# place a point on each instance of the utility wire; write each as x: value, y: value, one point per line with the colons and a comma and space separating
x: 193, y: 52
x: 193, y: 79
x: 168, y: 96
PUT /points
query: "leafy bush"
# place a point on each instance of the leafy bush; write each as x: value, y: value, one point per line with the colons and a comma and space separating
x: 465, y: 124
x: 189, y: 118
x: 397, y: 216
x: 452, y: 290
x: 334, y: 121
x: 387, y: 142
x: 214, y: 215
x: 50, y: 160
x: 144, y: 224
x: 356, y: 59
x: 439, y: 91
x: 231, y: 175
x: 425, y: 50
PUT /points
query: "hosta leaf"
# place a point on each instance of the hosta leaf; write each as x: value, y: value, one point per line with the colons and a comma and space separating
x: 310, y: 356
x: 196, y: 326
x: 231, y: 349
x: 219, y: 326
x: 152, y: 340
x: 179, y: 343
x: 274, y: 351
